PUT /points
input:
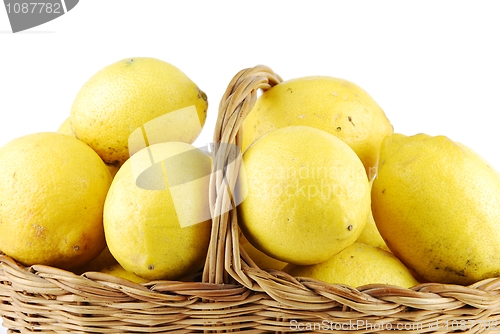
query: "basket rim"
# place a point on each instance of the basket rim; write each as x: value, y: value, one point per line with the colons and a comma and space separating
x: 290, y: 292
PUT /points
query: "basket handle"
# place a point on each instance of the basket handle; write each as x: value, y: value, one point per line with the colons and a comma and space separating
x: 224, y: 258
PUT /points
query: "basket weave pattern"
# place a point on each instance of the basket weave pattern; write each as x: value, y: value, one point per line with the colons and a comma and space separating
x: 234, y: 294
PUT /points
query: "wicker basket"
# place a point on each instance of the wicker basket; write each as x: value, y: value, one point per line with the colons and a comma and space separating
x: 234, y: 294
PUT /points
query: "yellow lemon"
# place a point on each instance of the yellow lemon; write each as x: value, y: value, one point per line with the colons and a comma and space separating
x: 65, y: 128
x: 118, y: 271
x: 262, y: 260
x: 156, y: 215
x: 357, y: 265
x: 371, y: 235
x: 52, y: 192
x: 335, y: 105
x: 306, y: 195
x: 136, y: 102
x: 112, y: 169
x: 437, y: 205
x: 104, y: 260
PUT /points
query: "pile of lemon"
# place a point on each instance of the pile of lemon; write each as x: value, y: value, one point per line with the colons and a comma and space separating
x: 327, y: 189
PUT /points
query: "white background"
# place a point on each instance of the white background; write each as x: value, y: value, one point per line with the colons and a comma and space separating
x: 433, y: 66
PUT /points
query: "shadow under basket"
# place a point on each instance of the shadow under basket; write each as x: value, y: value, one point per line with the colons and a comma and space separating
x: 234, y: 294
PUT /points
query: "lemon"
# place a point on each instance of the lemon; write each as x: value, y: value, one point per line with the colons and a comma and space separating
x: 52, y: 192
x: 104, y: 260
x: 156, y: 215
x: 112, y: 169
x: 437, y: 205
x: 65, y: 128
x: 306, y: 195
x: 118, y: 271
x: 371, y: 235
x: 335, y: 105
x: 357, y: 265
x: 262, y: 260
x: 136, y: 102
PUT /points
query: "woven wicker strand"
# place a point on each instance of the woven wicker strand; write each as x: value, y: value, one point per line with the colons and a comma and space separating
x: 236, y: 103
x: 235, y: 295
